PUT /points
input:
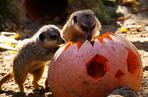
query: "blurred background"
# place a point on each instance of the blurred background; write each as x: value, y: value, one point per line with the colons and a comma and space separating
x: 29, y: 15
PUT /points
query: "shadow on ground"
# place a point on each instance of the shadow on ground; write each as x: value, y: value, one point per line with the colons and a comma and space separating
x: 35, y: 93
x: 141, y: 45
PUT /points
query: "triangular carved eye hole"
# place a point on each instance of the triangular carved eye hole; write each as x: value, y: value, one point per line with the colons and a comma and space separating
x: 97, y: 66
x: 132, y: 61
x: 119, y: 74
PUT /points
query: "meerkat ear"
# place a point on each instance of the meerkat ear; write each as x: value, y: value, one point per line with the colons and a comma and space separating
x: 42, y: 37
x: 75, y: 19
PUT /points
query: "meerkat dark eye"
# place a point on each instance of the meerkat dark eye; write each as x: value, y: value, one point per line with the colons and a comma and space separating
x: 75, y: 19
x: 42, y: 37
x: 84, y: 28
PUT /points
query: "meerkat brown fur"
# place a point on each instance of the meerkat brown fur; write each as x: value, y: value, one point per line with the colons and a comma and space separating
x: 33, y: 54
x: 82, y: 25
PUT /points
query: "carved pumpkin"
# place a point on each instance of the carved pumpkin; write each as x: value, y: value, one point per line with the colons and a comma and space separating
x: 94, y: 70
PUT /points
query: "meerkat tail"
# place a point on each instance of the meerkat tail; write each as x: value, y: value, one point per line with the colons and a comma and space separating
x: 6, y: 78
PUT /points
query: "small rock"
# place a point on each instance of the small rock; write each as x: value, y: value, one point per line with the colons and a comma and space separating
x: 123, y: 92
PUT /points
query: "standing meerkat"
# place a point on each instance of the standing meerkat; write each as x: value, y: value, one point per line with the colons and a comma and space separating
x: 82, y: 25
x: 33, y: 54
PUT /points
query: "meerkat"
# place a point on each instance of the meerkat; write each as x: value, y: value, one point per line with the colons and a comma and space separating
x: 33, y: 54
x: 82, y: 25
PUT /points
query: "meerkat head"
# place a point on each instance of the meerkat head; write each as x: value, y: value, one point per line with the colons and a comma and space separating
x: 49, y: 35
x: 86, y: 23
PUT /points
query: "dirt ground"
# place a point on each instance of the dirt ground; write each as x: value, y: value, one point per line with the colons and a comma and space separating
x: 137, y: 32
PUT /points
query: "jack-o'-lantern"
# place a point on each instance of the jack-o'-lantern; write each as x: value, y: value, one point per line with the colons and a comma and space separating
x: 95, y: 69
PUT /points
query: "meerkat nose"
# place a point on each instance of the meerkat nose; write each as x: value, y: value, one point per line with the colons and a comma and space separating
x: 89, y: 35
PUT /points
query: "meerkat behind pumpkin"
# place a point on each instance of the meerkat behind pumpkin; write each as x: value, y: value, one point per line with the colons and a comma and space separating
x: 82, y: 25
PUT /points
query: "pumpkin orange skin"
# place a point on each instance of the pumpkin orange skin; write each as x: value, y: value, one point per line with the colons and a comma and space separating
x: 88, y: 70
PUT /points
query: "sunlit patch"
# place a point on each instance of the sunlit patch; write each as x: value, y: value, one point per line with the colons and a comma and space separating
x: 132, y: 61
x: 97, y: 67
x: 119, y: 74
